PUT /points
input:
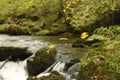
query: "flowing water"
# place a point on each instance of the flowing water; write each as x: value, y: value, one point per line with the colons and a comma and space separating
x: 18, y: 71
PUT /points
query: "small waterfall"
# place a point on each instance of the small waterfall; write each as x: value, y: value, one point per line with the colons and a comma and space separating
x: 59, y: 67
x: 13, y: 71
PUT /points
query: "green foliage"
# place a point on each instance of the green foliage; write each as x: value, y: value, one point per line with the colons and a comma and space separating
x: 110, y: 32
x: 100, y: 64
x: 103, y: 62
x: 31, y: 13
x: 92, y: 13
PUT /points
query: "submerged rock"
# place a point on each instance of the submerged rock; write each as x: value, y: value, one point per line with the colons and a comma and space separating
x: 73, y: 69
x: 43, y: 58
x: 72, y: 62
x: 53, y: 76
x: 31, y: 78
x: 17, y: 53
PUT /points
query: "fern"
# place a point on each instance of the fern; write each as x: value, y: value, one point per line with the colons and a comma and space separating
x: 108, y: 32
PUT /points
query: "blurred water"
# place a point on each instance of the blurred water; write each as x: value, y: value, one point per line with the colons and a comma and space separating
x: 13, y: 71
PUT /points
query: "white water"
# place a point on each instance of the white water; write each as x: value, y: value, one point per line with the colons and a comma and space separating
x: 17, y: 70
x: 13, y: 71
x: 59, y: 67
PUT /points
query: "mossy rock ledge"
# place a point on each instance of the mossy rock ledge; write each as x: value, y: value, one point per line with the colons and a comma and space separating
x: 16, y: 53
x: 43, y: 58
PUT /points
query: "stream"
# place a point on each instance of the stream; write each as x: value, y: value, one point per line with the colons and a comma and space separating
x: 18, y: 71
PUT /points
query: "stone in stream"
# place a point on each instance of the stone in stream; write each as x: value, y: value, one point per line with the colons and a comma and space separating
x: 70, y: 63
x: 54, y: 75
x: 17, y: 53
x: 43, y: 58
x: 32, y: 78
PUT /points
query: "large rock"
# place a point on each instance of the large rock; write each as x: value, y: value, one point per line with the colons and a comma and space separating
x: 16, y: 53
x: 43, y: 58
x: 53, y: 76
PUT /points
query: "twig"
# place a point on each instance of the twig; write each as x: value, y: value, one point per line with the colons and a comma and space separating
x: 5, y: 62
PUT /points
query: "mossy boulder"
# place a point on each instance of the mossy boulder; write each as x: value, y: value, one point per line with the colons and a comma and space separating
x: 15, y: 29
x: 53, y: 76
x: 43, y: 58
x: 16, y: 53
x: 85, y: 43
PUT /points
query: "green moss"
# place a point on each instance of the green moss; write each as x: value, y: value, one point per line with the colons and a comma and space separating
x: 41, y: 14
x: 44, y: 32
x: 100, y: 64
x: 15, y: 29
x: 3, y: 28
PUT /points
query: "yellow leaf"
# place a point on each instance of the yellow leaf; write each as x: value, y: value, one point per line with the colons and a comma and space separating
x: 84, y: 35
x: 63, y: 39
x: 51, y: 46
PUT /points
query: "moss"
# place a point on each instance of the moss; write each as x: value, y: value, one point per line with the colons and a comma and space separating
x: 15, y: 29
x: 3, y: 28
x: 44, y: 32
x: 100, y: 65
x: 53, y: 76
x: 20, y: 53
x: 43, y: 58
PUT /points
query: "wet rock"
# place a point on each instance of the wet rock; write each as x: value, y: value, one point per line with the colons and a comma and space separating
x: 43, y: 58
x: 71, y: 63
x: 53, y: 76
x: 74, y: 68
x: 79, y: 43
x: 84, y: 43
x: 17, y: 53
